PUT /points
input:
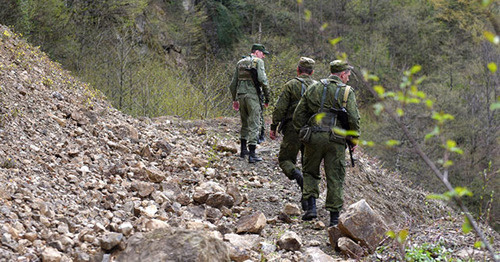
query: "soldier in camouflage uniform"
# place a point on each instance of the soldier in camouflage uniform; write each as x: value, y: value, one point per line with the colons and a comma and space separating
x: 282, y: 116
x: 327, y: 96
x: 246, y: 99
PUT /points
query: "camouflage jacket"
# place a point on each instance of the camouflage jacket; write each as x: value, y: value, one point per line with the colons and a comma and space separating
x: 289, y: 98
x: 310, y: 103
x: 245, y: 86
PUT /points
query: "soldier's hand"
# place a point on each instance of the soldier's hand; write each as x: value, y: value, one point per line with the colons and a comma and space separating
x: 272, y: 135
x: 236, y: 105
x: 266, y: 105
x: 354, y: 148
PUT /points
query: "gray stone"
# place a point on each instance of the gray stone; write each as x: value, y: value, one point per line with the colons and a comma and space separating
x: 110, y: 240
x: 315, y: 254
x: 253, y: 223
x: 50, y: 254
x: 219, y: 200
x: 361, y: 223
x: 174, y: 245
x: 290, y: 241
x: 350, y: 248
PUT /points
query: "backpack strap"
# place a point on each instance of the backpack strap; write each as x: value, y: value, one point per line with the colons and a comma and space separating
x: 303, y: 90
x: 346, y: 94
x: 325, y: 84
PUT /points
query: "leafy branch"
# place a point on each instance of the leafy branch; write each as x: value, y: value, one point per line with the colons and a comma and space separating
x: 410, y: 94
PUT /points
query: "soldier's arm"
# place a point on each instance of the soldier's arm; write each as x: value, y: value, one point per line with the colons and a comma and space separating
x: 281, y: 106
x: 261, y: 73
x: 234, y: 84
x: 353, y: 113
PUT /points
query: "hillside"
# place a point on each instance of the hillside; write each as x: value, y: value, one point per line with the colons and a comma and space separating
x: 73, y: 170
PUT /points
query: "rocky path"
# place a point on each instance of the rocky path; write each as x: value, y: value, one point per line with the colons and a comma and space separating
x: 81, y: 181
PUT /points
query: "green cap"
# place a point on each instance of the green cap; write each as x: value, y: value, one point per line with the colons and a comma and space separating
x: 337, y: 66
x: 306, y: 62
x: 259, y: 47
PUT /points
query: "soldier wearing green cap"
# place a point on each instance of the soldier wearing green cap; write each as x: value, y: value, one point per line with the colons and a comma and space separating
x: 282, y: 117
x: 319, y: 109
x: 249, y: 81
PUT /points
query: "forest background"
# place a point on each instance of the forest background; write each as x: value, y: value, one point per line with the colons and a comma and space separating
x: 177, y: 57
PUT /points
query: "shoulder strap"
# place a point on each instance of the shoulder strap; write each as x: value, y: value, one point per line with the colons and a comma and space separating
x: 303, y: 90
x: 325, y: 84
x: 346, y: 94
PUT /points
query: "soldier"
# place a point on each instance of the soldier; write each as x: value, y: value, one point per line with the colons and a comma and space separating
x: 320, y: 110
x: 249, y: 81
x: 282, y: 115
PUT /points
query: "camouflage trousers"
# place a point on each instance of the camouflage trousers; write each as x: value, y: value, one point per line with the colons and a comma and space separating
x: 250, y: 113
x: 289, y: 148
x: 320, y: 149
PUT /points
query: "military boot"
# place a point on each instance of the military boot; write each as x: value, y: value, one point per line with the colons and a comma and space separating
x: 311, y: 210
x: 262, y: 138
x: 297, y: 175
x: 252, y: 157
x: 243, y: 151
x: 334, y: 218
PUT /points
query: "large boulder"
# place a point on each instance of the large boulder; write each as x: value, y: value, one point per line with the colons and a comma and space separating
x: 174, y: 245
x: 361, y: 223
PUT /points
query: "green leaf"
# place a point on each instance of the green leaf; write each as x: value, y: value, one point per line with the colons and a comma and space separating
x: 462, y: 191
x: 486, y: 2
x: 479, y: 244
x: 451, y: 143
x: 420, y: 80
x: 380, y: 90
x: 307, y: 15
x: 492, y: 37
x: 492, y: 67
x: 333, y: 42
x: 421, y: 94
x: 367, y: 143
x: 352, y: 133
x: 448, y: 163
x: 495, y: 106
x: 466, y: 226
x: 300, y: 2
x: 340, y: 131
x: 402, y: 236
x: 429, y: 103
x: 323, y: 27
x: 415, y: 69
x: 391, y: 234
x: 378, y: 108
x: 392, y: 143
x: 318, y: 117
x: 434, y: 132
x: 438, y: 197
x: 400, y: 112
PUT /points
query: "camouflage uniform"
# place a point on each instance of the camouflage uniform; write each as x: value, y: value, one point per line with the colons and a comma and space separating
x: 325, y: 145
x: 243, y: 90
x: 283, y: 113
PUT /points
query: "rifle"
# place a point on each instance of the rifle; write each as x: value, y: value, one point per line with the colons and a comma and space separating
x: 256, y: 83
x: 342, y: 116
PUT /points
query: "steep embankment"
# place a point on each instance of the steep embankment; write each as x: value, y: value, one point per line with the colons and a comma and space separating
x: 73, y: 170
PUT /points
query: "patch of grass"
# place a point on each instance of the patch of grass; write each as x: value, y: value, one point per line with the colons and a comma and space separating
x: 428, y: 252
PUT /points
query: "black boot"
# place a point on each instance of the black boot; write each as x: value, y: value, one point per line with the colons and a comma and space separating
x: 252, y: 157
x: 297, y: 175
x: 334, y: 218
x: 311, y: 209
x: 262, y: 138
x: 243, y: 151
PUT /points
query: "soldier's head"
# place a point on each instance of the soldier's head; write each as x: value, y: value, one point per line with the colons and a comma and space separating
x: 305, y: 66
x: 341, y: 69
x: 259, y: 51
